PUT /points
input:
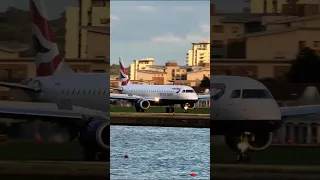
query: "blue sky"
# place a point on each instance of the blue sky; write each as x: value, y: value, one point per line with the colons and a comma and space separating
x: 163, y: 30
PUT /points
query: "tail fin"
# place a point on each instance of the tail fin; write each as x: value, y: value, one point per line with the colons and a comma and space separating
x: 123, y: 74
x: 47, y: 56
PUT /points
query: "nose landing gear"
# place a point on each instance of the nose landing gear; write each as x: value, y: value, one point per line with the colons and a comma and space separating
x: 185, y: 108
x: 242, y: 155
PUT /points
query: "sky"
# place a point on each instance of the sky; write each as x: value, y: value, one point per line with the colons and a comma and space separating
x: 163, y: 30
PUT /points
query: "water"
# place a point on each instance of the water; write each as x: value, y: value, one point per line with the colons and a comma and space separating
x: 159, y: 153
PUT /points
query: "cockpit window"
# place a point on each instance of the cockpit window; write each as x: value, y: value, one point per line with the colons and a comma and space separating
x: 189, y: 91
x: 235, y: 94
x: 256, y: 94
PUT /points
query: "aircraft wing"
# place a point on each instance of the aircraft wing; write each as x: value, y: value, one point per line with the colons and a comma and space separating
x: 18, y: 86
x: 124, y: 96
x: 130, y: 97
x: 26, y: 114
x: 300, y: 110
x: 204, y: 96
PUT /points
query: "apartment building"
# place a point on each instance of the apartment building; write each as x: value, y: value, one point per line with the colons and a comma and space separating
x: 293, y: 7
x: 199, y: 54
x: 172, y: 73
x: 88, y: 23
x: 260, y: 45
x: 137, y: 65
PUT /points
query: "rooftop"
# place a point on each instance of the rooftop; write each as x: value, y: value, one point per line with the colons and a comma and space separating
x: 278, y: 31
x: 98, y: 29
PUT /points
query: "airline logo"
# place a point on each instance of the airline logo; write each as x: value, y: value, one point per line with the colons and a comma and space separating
x: 177, y: 89
x: 217, y: 89
x: 123, y: 75
x: 47, y: 54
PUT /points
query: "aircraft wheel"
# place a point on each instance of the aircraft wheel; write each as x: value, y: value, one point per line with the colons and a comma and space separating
x: 172, y: 109
x: 167, y: 109
x: 89, y: 155
x: 242, y: 157
x: 104, y: 156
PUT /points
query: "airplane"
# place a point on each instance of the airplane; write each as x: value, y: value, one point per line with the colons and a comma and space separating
x: 57, y: 83
x: 246, y: 114
x: 144, y: 96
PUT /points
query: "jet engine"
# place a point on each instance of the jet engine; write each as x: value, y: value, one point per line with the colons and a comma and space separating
x: 142, y: 104
x: 95, y: 136
x: 256, y: 141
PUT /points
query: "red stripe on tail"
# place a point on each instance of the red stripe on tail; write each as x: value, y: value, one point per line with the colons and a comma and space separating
x: 48, y: 69
x: 41, y: 22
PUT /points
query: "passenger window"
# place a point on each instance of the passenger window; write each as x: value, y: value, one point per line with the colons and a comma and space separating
x: 79, y: 91
x: 235, y: 94
x: 89, y: 91
x: 74, y: 89
x: 84, y: 91
x: 94, y: 91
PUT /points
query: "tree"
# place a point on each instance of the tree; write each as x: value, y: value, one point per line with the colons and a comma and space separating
x: 305, y: 68
x: 205, y: 82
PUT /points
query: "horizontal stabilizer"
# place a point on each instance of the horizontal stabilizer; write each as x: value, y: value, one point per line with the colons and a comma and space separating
x: 19, y: 86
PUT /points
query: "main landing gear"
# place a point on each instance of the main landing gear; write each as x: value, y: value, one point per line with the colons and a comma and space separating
x: 242, y: 155
x: 170, y: 109
x: 139, y: 110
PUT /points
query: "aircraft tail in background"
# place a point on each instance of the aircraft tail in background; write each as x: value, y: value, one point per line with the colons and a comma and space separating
x: 47, y: 56
x: 124, y: 74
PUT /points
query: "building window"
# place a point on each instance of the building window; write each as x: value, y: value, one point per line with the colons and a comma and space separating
x: 302, y: 44
x: 217, y: 29
x: 104, y: 21
x: 235, y: 29
x: 217, y: 44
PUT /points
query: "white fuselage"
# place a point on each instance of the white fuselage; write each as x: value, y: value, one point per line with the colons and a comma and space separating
x: 84, y: 90
x: 174, y: 93
x: 241, y: 102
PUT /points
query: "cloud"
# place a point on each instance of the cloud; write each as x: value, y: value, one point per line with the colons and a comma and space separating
x: 169, y: 38
x: 183, y: 8
x: 114, y: 17
x: 205, y: 27
x: 145, y: 8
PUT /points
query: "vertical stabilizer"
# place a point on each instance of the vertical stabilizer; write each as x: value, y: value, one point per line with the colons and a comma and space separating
x: 124, y: 74
x: 47, y: 57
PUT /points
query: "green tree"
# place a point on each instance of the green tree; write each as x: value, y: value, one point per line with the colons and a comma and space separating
x: 305, y: 68
x: 205, y: 82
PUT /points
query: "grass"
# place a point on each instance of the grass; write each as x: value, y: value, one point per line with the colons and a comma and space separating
x: 270, y: 156
x: 40, y: 151
x: 160, y: 110
x: 219, y: 154
x: 32, y: 151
